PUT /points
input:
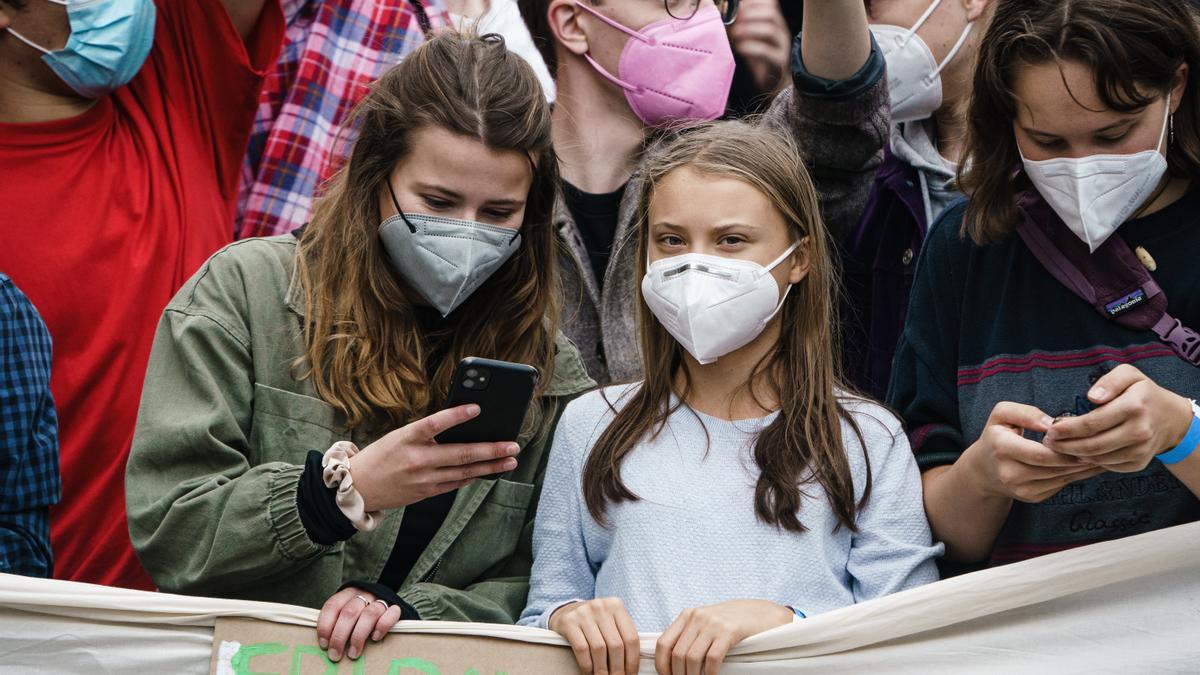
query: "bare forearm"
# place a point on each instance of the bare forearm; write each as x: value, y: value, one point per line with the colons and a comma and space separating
x: 835, y: 41
x: 962, y: 516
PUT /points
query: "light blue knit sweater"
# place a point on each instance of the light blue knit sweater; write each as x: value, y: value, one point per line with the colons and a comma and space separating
x: 693, y: 538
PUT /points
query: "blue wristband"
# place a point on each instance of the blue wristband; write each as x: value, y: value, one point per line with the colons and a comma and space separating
x: 1186, y: 447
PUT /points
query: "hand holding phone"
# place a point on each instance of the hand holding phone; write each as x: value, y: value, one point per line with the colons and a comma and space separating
x: 408, y: 465
x: 503, y: 392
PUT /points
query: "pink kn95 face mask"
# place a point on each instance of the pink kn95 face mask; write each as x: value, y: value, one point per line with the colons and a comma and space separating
x: 673, y: 70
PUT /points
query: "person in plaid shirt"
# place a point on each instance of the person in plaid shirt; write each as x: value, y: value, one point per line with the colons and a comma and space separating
x: 29, y: 480
x: 333, y: 50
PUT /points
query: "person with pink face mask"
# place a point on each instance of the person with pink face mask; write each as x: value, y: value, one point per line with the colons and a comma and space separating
x: 624, y: 70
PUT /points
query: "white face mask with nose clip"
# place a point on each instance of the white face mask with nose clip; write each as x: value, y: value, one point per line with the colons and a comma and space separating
x: 713, y: 305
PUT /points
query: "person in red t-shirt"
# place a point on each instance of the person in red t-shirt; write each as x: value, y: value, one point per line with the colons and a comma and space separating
x: 117, y: 180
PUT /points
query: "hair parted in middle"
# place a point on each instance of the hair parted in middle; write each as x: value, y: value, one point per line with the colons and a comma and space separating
x: 804, y: 444
x: 363, y: 347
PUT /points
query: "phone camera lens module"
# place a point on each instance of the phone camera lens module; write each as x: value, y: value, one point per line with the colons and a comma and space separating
x: 472, y: 373
x: 468, y: 384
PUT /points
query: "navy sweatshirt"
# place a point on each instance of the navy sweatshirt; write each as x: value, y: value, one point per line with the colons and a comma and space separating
x: 988, y: 324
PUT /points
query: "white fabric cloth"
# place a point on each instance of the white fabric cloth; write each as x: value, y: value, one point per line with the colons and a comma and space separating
x: 1131, y: 605
x: 504, y: 18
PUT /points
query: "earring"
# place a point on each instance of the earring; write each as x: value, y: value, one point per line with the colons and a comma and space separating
x: 1171, y: 132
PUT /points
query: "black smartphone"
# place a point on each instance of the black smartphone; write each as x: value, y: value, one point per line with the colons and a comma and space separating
x: 503, y: 392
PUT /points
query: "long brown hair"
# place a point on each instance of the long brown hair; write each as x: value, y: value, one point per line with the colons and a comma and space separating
x: 1134, y: 47
x: 803, y: 445
x: 363, y: 347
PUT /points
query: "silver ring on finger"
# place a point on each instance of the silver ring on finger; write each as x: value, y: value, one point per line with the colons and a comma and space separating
x: 383, y: 602
x: 366, y: 602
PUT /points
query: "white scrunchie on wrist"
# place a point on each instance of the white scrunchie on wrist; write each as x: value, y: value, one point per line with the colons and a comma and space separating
x: 336, y: 465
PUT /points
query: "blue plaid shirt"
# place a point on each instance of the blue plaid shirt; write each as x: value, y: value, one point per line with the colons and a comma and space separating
x: 29, y: 480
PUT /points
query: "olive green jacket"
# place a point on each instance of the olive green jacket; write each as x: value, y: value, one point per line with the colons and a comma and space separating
x: 222, y: 435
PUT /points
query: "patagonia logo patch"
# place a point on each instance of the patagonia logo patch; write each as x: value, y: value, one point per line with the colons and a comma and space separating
x: 1128, y: 302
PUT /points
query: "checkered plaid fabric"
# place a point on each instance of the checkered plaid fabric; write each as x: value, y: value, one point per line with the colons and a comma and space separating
x: 29, y: 480
x: 334, y: 49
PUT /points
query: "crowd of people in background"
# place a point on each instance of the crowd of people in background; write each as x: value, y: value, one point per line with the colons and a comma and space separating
x: 828, y: 299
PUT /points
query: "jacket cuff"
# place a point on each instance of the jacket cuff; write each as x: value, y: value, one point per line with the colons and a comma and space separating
x: 421, y: 603
x: 284, y: 516
x: 934, y: 450
x: 317, y: 505
x: 870, y: 74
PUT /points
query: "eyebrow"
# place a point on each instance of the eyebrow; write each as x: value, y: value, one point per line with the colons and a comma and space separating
x: 719, y: 229
x: 1114, y: 125
x: 438, y: 188
x: 515, y: 203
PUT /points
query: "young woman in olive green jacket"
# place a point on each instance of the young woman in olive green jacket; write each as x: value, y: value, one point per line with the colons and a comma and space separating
x: 432, y: 244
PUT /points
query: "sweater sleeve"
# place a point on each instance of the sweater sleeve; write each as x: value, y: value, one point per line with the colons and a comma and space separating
x: 924, y: 385
x: 562, y: 571
x: 841, y: 129
x: 893, y: 549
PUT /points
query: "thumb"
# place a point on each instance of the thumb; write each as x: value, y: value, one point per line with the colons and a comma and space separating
x: 1114, y: 383
x: 1020, y: 416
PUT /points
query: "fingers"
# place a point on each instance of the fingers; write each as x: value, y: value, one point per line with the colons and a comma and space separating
x: 367, y: 620
x: 427, y: 428
x: 1096, y: 422
x: 717, y: 653
x: 1020, y: 416
x: 596, y: 647
x: 329, y: 615
x: 616, y: 645
x: 1010, y: 447
x: 1098, y: 448
x: 461, y: 455
x: 666, y: 645
x: 574, y: 636
x: 344, y: 626
x: 683, y: 646
x: 1114, y: 383
x: 386, y: 621
x: 629, y: 636
x: 697, y: 653
x: 1037, y: 492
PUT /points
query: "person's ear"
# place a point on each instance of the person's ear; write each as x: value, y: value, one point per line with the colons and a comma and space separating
x: 801, y: 259
x: 975, y: 8
x: 1178, y: 87
x: 5, y: 19
x: 563, y: 17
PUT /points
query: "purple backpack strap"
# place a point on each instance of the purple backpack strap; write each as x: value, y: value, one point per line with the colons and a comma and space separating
x: 1112, y: 279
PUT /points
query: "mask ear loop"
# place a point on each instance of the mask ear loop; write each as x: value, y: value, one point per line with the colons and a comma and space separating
x: 962, y: 39
x: 399, y: 211
x: 780, y: 259
x: 1169, y: 122
x: 921, y: 21
x: 27, y: 41
x: 650, y: 40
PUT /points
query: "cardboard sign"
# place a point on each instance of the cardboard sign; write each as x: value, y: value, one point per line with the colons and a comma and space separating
x: 253, y: 647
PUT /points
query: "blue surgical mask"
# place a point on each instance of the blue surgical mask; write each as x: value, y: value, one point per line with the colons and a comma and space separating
x: 109, y: 42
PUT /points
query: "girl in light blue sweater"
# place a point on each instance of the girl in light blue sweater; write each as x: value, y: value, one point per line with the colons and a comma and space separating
x: 739, y: 486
